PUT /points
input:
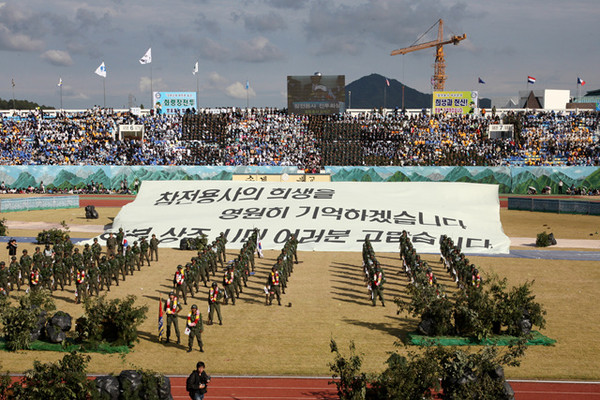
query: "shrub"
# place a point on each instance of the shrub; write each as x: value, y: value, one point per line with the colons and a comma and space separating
x: 3, y: 227
x: 18, y: 323
x: 352, y: 384
x: 460, y: 374
x: 51, y: 236
x: 115, y: 321
x: 542, y: 240
x: 65, y: 379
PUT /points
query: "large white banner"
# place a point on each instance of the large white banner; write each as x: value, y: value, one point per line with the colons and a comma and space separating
x: 324, y: 216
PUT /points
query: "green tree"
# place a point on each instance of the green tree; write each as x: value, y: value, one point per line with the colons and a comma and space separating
x: 350, y: 382
x: 64, y: 380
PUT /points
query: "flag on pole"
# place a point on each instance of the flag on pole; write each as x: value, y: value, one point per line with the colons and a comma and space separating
x: 101, y: 70
x: 481, y: 81
x: 580, y: 81
x: 147, y: 58
x: 387, y: 82
x: 161, y: 321
x: 195, y: 71
x: 247, y: 84
x: 530, y: 79
x: 259, y: 247
x: 59, y: 82
x: 13, y: 83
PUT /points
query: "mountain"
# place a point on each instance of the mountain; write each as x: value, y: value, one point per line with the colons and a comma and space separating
x: 24, y: 180
x: 66, y: 179
x: 368, y: 92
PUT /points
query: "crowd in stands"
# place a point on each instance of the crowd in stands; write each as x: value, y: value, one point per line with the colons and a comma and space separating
x: 272, y: 137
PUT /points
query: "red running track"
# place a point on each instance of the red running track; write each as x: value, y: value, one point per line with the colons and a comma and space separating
x: 282, y: 388
x: 276, y: 388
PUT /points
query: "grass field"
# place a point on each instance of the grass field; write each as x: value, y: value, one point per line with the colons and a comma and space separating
x: 329, y: 300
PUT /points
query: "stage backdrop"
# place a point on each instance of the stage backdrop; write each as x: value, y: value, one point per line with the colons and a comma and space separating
x: 324, y: 216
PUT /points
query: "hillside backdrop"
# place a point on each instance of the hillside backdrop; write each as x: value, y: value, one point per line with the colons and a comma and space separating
x: 368, y: 92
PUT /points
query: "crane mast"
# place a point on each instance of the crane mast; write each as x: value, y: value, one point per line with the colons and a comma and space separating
x: 439, y: 67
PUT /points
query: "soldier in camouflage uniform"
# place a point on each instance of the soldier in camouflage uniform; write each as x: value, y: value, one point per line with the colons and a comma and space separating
x: 144, y: 247
x: 111, y: 244
x: 94, y: 280
x: 135, y: 250
x: 38, y: 258
x: 105, y: 273
x: 189, y: 279
x: 96, y: 251
x: 67, y: 246
x: 121, y: 264
x: 46, y: 275
x: 153, y: 248
x: 14, y: 271
x: 120, y: 238
x: 81, y: 284
x: 87, y: 256
x: 229, y: 284
x: 4, y: 277
x: 115, y: 268
x: 25, y: 262
x: 129, y: 261
x: 60, y: 273
x: 202, y: 264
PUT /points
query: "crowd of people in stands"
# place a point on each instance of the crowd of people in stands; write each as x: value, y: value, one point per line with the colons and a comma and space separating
x: 272, y: 137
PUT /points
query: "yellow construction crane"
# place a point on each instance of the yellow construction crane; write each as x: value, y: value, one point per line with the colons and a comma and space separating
x: 439, y: 68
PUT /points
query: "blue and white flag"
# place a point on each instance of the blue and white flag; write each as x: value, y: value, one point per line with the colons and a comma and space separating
x: 147, y: 58
x: 195, y: 71
x: 247, y: 85
x: 101, y: 70
x: 59, y: 82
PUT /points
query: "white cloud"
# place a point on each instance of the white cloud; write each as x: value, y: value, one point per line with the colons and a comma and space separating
x: 237, y: 90
x: 58, y: 57
x: 18, y: 41
x: 216, y: 81
x: 257, y: 50
x: 157, y: 84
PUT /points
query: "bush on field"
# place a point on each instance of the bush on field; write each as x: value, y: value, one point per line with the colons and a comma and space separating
x: 113, y: 321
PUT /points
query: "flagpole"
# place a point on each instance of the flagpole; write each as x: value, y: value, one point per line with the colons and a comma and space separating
x: 197, y: 85
x: 104, y: 87
x: 247, y: 96
x: 384, y: 96
x: 13, y: 94
x: 151, y: 91
x: 61, y: 104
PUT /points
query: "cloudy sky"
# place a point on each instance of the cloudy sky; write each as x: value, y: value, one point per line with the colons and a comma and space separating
x: 263, y: 41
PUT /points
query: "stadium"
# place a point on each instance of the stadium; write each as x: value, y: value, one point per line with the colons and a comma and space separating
x: 326, y: 297
x: 313, y: 238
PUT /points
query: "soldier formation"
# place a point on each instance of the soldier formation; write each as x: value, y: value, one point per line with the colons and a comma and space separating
x: 374, y: 275
x: 417, y: 271
x: 457, y: 264
x: 277, y: 279
x: 59, y: 266
x: 204, y: 268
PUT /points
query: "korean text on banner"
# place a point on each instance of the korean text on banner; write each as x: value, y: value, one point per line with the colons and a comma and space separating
x: 324, y: 216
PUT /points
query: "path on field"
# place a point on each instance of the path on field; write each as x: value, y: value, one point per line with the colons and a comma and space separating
x: 280, y: 388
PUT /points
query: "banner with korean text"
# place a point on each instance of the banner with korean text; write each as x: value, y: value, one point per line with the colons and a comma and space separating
x: 324, y: 216
x: 454, y: 102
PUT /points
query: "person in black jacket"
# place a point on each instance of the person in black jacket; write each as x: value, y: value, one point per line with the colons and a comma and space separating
x: 197, y: 381
x: 12, y: 247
